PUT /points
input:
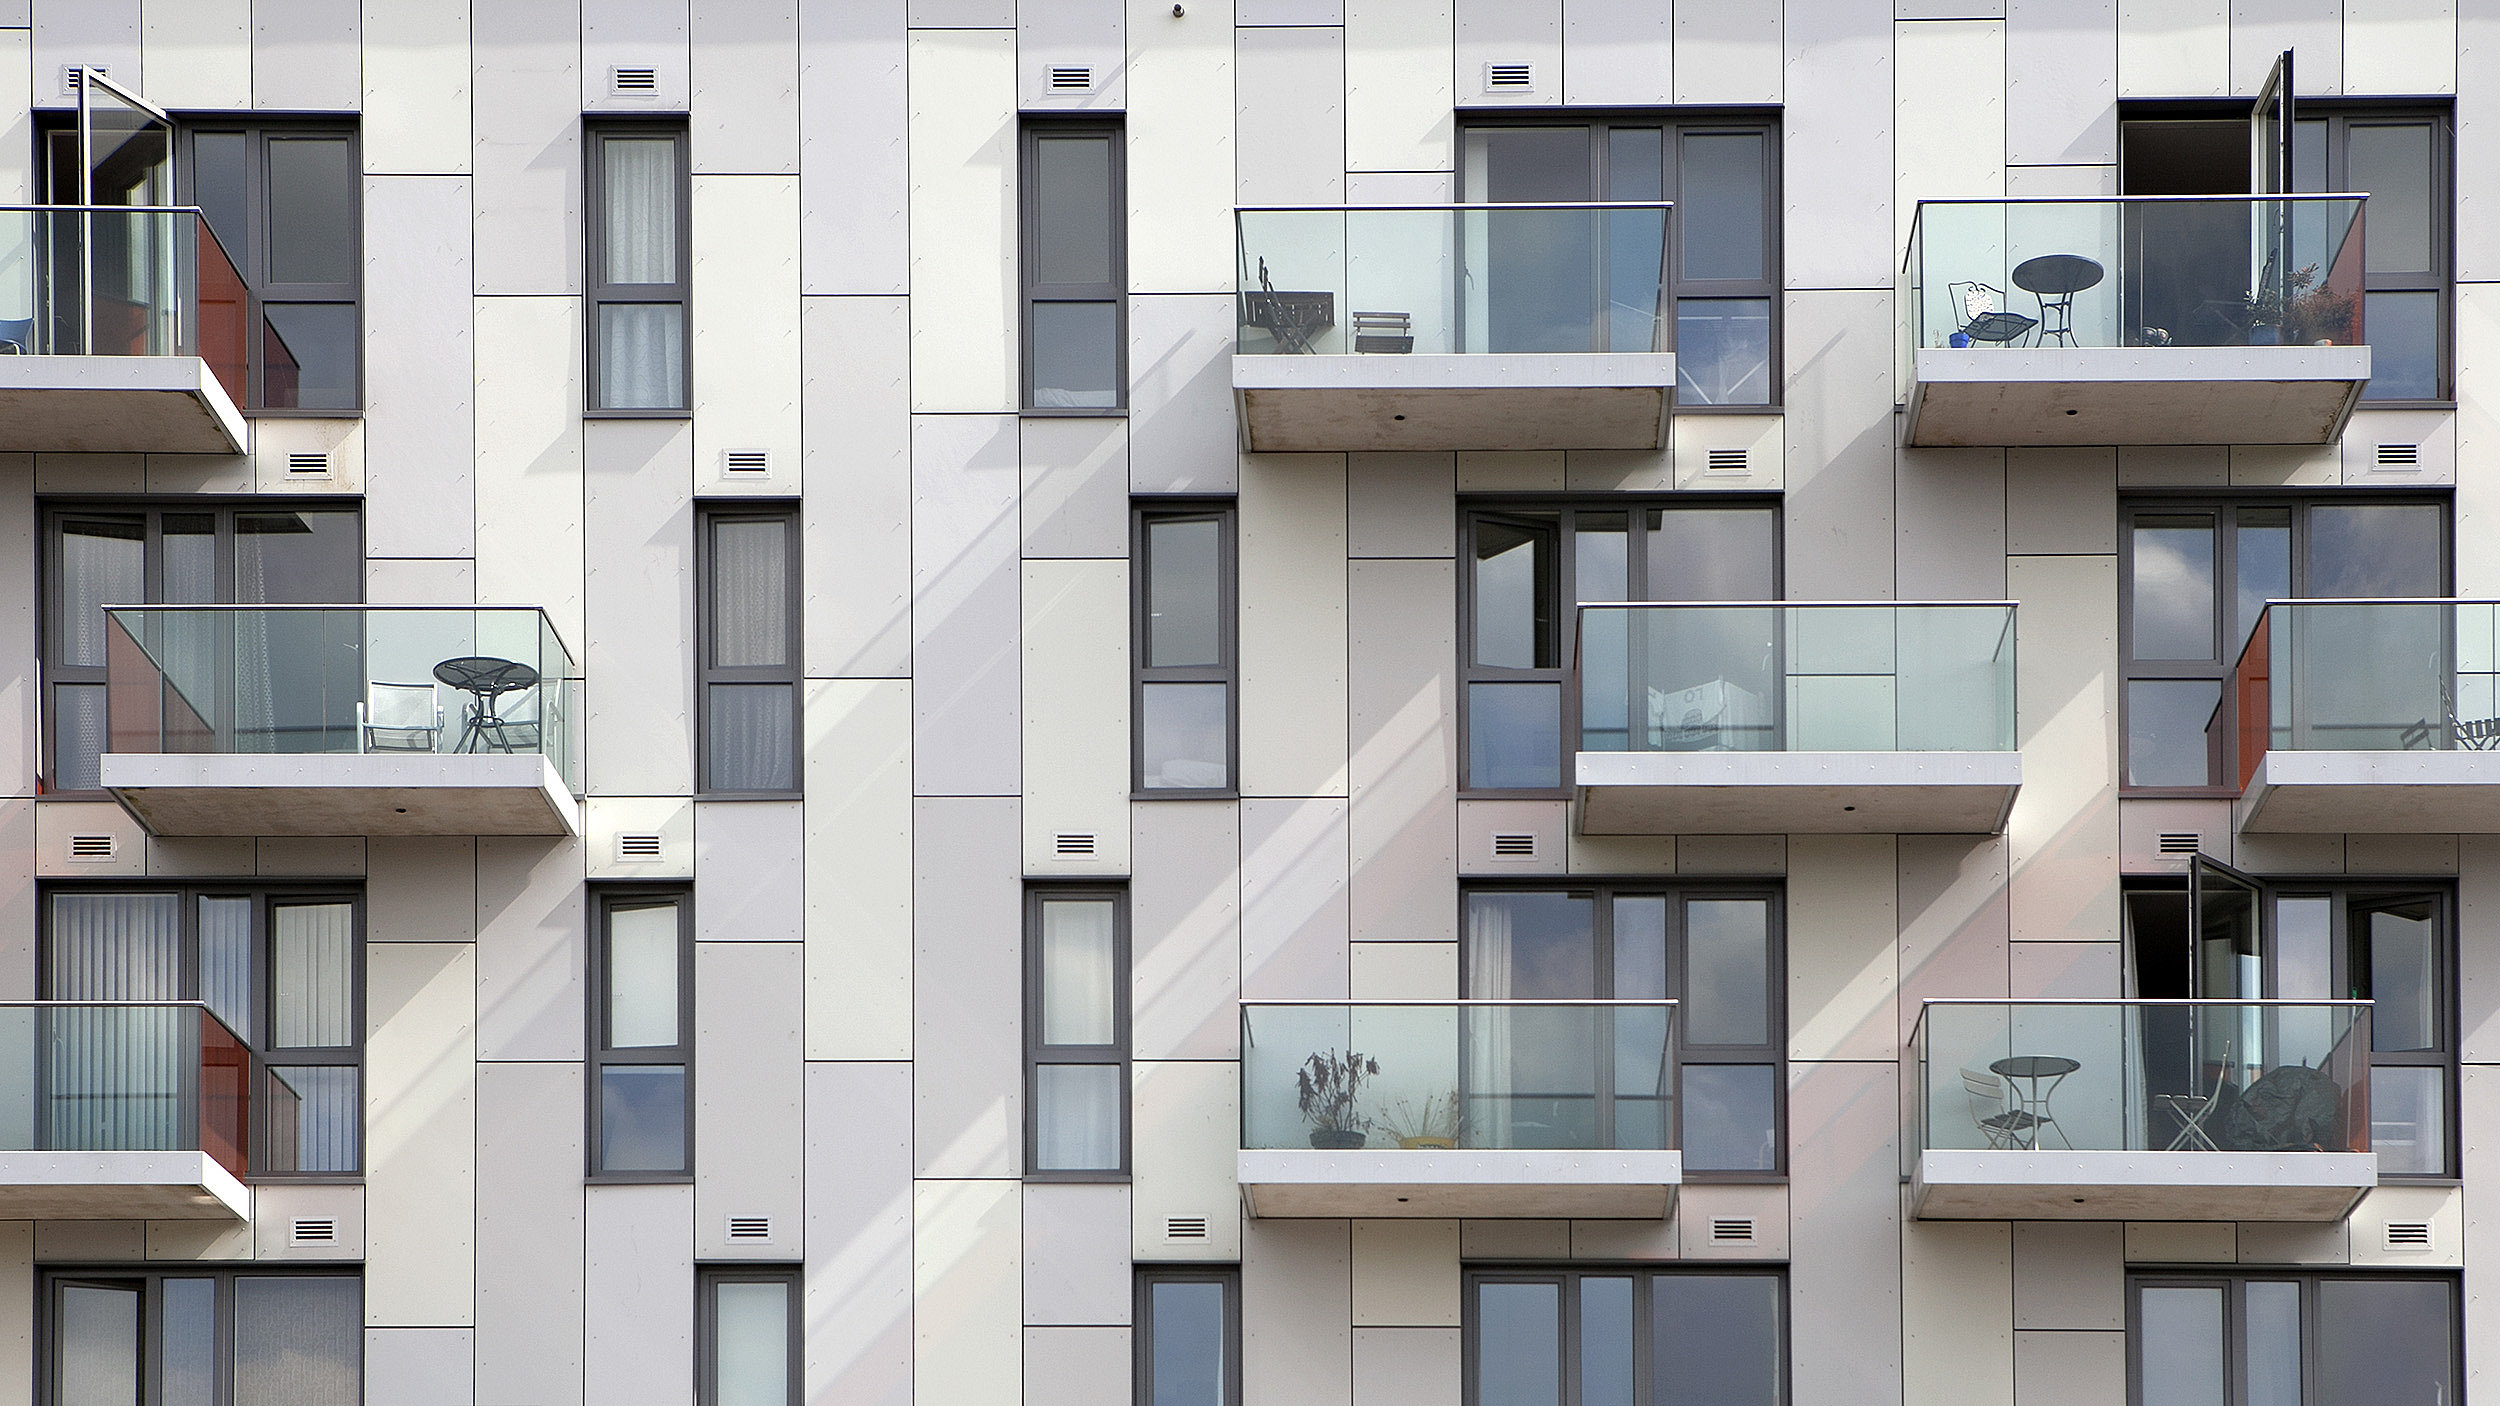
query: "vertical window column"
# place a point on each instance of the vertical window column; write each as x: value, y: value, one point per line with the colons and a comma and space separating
x: 1184, y: 648
x: 639, y: 204
x: 1076, y: 1033
x: 1075, y: 267
x: 749, y: 1336
x: 748, y: 647
x: 642, y: 1036
x: 1188, y: 1337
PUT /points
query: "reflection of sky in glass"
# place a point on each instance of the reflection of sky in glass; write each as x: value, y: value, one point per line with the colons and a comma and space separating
x: 2174, y: 588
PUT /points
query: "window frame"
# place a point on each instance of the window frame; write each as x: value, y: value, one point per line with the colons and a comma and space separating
x: 708, y: 513
x: 1144, y: 513
x: 150, y: 1277
x: 1037, y: 1054
x: 1645, y: 1326
x: 1141, y: 1368
x: 2233, y: 1281
x: 707, y: 1280
x: 251, y: 254
x: 1030, y: 131
x: 598, y: 293
x: 605, y: 900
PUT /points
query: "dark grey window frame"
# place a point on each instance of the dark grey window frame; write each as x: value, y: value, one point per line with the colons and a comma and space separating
x: 1032, y: 129
x: 1773, y: 1051
x: 2219, y: 768
x: 707, y: 513
x: 1677, y: 123
x: 264, y: 896
x: 150, y: 1277
x: 2232, y: 1281
x: 1118, y: 1053
x: 1644, y: 1331
x: 604, y: 900
x: 1225, y: 514
x: 598, y: 293
x: 1142, y: 1314
x: 707, y: 1279
x: 1565, y: 607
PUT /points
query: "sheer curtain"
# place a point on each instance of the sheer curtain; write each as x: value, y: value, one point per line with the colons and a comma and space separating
x: 298, y: 1341
x: 312, y: 1006
x: 1077, y: 1124
x: 751, y: 725
x: 1487, y: 1030
x: 751, y: 1344
x: 117, y: 1074
x: 641, y: 346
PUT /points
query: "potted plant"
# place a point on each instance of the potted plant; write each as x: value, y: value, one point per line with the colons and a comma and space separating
x: 1327, y: 1088
x: 2300, y: 313
x: 1436, y: 1122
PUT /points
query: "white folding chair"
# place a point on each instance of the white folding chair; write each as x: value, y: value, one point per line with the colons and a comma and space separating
x: 399, y: 717
x: 2007, y: 1128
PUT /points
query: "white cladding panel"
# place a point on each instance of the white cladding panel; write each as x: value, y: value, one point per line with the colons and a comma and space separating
x: 745, y: 356
x: 103, y: 34
x: 1293, y: 625
x: 967, y: 1249
x: 1180, y: 147
x: 1076, y: 1254
x: 420, y: 1154
x: 1618, y: 53
x: 1399, y: 57
x: 1076, y: 481
x: 416, y: 81
x: 19, y: 751
x: 859, y: 1232
x: 2063, y: 833
x: 1842, y: 926
x: 968, y: 988
x: 636, y: 34
x: 1076, y: 714
x: 1299, y: 1352
x: 1729, y: 51
x: 529, y: 455
x: 638, y: 1300
x: 1180, y: 394
x: 1185, y: 1117
x: 750, y: 872
x: 420, y: 1367
x: 638, y: 658
x: 854, y: 165
x: 750, y: 1123
x: 420, y: 431
x: 1290, y: 127
x: 964, y: 313
x: 1071, y: 34
x: 1185, y: 930
x: 746, y: 89
x: 2313, y: 29
x: 1950, y: 538
x: 965, y: 591
x: 2062, y: 91
x: 1508, y: 32
x: 305, y: 55
x: 1844, y: 1283
x: 420, y: 888
x: 1957, y: 1339
x: 528, y: 155
x: 1294, y: 915
x: 1839, y: 505
x: 1402, y: 820
x: 1837, y: 144
x: 199, y: 54
x: 857, y: 551
x: 533, y: 945
x: 859, y: 869
x: 1076, y: 1366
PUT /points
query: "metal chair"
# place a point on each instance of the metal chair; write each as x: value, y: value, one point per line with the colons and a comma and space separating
x: 399, y: 717
x: 1986, y: 324
x: 2006, y: 1127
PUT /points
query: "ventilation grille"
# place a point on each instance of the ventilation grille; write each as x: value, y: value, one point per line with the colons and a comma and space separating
x: 1514, y: 846
x: 1185, y: 1228
x: 1070, y: 845
x: 1509, y: 77
x: 632, y: 82
x: 71, y: 81
x: 312, y: 1230
x: 750, y: 1227
x: 2400, y: 456
x: 2408, y: 1235
x: 1729, y: 463
x: 309, y: 462
x: 637, y: 847
x: 91, y: 848
x: 1071, y: 77
x: 746, y: 461
x: 1731, y: 1230
x: 2180, y: 841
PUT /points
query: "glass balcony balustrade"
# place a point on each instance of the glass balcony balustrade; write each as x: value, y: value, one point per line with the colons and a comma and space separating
x: 118, y: 1078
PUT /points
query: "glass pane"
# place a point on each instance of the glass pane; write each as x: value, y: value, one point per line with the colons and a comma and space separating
x: 79, y: 716
x: 2386, y: 1342
x: 1181, y: 737
x: 2409, y: 1119
x: 1514, y: 736
x: 2393, y: 163
x: 226, y: 961
x: 308, y: 356
x: 2404, y: 973
x: 1730, y: 1118
x: 2403, y: 329
x: 1640, y: 949
x: 1519, y: 1344
x: 189, y: 1374
x: 1184, y: 578
x: 1723, y: 351
x: 1718, y: 1339
x: 1514, y: 590
x: 1532, y: 164
x: 2273, y: 1349
x: 188, y: 545
x: 750, y: 593
x: 2174, y: 587
x: 2376, y: 549
x: 1636, y: 163
x: 102, y: 563
x: 1713, y: 554
x: 1079, y: 961
x: 1185, y: 1355
x: 751, y: 1344
x: 2262, y: 546
x: 98, y: 1345
x: 1605, y: 1342
x: 1727, y: 989
x: 221, y: 187
x: 114, y: 947
x: 301, y: 557
x: 312, y: 210
x: 1072, y: 214
x: 2304, y: 967
x: 638, y: 183
x: 1719, y: 206
x: 1600, y: 561
x: 642, y: 971
x: 642, y: 1118
x: 2167, y: 721
x: 298, y: 1341
x: 312, y: 1115
x: 750, y: 739
x: 2181, y: 1346
x: 642, y: 356
x: 312, y: 980
x: 1076, y: 355
x: 1529, y: 946
x: 1076, y: 1117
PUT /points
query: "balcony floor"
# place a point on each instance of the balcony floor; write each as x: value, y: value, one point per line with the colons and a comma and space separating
x: 1776, y: 793
x: 116, y: 405
x: 2177, y: 1186
x: 486, y: 793
x: 1335, y: 404
x: 2397, y: 793
x: 2133, y: 395
x: 1433, y: 1184
x: 119, y: 1186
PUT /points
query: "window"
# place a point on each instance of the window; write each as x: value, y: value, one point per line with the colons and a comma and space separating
x: 2281, y: 1338
x: 2232, y: 937
x: 1183, y: 598
x: 195, y: 1336
x: 2197, y: 574
x: 1525, y: 566
x: 1716, y: 950
x: 638, y: 267
x: 1076, y: 1033
x: 748, y: 714
x: 285, y: 201
x: 642, y: 1036
x: 748, y: 1353
x: 187, y: 554
x: 1189, y: 1337
x: 1723, y: 269
x: 1075, y: 266
x: 282, y: 968
x: 1624, y: 1337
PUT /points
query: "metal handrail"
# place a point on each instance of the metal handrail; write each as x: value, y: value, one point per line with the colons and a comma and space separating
x: 1468, y: 1001
x: 1460, y: 205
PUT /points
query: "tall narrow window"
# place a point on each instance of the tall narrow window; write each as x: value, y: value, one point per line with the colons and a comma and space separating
x: 638, y: 267
x: 1076, y: 1033
x: 642, y: 1036
x: 749, y: 709
x: 1075, y: 267
x: 284, y: 200
x: 1188, y: 1337
x: 1183, y: 588
x: 748, y: 1337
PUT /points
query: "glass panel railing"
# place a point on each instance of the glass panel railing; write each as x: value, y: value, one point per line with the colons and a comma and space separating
x: 1773, y: 677
x: 2134, y: 1076
x: 120, y: 281
x: 1477, y: 1074
x: 124, y: 1077
x: 2370, y: 675
x: 2146, y: 271
x: 1454, y: 279
x: 335, y: 679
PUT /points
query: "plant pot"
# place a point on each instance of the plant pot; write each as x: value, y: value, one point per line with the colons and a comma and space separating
x: 1415, y: 1142
x: 2264, y: 335
x: 1336, y: 1139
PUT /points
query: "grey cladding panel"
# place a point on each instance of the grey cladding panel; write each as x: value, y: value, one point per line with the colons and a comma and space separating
x: 638, y: 606
x: 420, y: 368
x: 529, y: 1233
x: 965, y: 614
x: 968, y: 969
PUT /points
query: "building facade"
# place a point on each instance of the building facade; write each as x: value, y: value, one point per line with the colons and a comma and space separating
x: 1336, y: 702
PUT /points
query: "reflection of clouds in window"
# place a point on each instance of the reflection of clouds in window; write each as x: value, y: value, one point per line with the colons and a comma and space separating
x: 2174, y: 589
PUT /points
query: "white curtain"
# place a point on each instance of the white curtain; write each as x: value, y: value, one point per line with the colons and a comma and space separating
x: 116, y: 1074
x: 642, y: 977
x: 1486, y: 1031
x: 298, y: 1340
x: 311, y: 948
x: 751, y: 1344
x: 750, y: 593
x: 641, y: 345
x: 1077, y: 975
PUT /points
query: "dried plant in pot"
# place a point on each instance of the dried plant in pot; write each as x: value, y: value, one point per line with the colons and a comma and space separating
x: 1327, y: 1088
x: 1436, y: 1122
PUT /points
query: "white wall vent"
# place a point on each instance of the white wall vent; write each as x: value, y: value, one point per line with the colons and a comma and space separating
x: 2408, y: 1235
x: 70, y: 80
x: 1185, y: 1228
x: 312, y: 1230
x: 633, y: 848
x: 1514, y: 846
x: 313, y: 463
x: 1070, y: 77
x: 91, y: 849
x: 1728, y: 463
x: 750, y: 1227
x: 2180, y: 841
x: 632, y: 82
x: 1510, y: 77
x: 2400, y: 456
x: 1731, y: 1230
x: 1067, y: 844
x: 746, y: 462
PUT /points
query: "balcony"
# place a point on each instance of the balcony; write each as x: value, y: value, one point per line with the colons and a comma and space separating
x: 2142, y: 1110
x: 122, y: 1111
x: 2148, y: 320
x: 1453, y: 327
x: 1458, y: 1108
x: 340, y: 720
x: 2368, y: 716
x: 122, y: 330
x: 1775, y: 718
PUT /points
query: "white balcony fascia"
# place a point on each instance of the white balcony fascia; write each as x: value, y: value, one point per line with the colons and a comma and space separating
x: 1760, y: 793
x: 117, y: 405
x: 120, y: 1186
x: 323, y: 793
x: 2162, y: 1186
x: 2399, y: 793
x: 1341, y: 403
x: 1992, y: 396
x: 1444, y: 1183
